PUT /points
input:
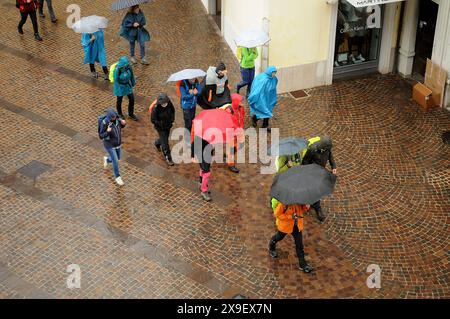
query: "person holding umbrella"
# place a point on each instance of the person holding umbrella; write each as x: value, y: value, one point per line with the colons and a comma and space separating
x: 28, y: 8
x: 263, y: 97
x: 319, y: 152
x: 189, y: 91
x: 133, y: 30
x: 246, y: 57
x: 288, y: 151
x: 124, y: 83
x: 215, y: 89
x: 291, y: 193
x: 162, y: 117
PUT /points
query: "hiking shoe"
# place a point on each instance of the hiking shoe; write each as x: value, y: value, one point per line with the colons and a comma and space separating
x: 158, y: 147
x: 273, y: 253
x: 206, y: 196
x: 41, y: 14
x: 105, y: 162
x: 133, y: 117
x: 119, y: 181
x: 20, y: 29
x: 54, y: 20
x: 106, y: 77
x: 234, y: 169
x: 303, y: 266
x: 37, y: 37
x: 169, y: 161
x: 94, y: 75
x: 144, y: 61
x: 133, y: 60
x: 320, y: 215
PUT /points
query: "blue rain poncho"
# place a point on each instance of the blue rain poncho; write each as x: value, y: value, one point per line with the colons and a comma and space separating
x: 263, y: 96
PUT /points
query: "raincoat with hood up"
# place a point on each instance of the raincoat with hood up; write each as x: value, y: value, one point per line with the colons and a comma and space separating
x: 263, y: 96
x: 114, y: 138
x: 94, y: 51
x: 124, y: 80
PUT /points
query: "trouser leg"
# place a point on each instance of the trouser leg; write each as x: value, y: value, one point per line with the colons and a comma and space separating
x: 119, y: 105
x: 131, y: 104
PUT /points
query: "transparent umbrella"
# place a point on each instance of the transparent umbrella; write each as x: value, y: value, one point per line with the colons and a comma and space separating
x: 252, y: 39
x: 90, y: 24
x: 186, y: 74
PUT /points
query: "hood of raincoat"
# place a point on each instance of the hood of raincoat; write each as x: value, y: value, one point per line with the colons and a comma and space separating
x: 123, y: 61
x: 110, y: 114
x: 238, y: 109
x: 270, y: 70
x: 163, y: 98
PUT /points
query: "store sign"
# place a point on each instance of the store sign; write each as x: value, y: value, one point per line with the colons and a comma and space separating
x: 365, y: 3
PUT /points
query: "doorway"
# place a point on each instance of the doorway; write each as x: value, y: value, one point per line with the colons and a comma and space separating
x: 428, y: 12
x: 217, y: 14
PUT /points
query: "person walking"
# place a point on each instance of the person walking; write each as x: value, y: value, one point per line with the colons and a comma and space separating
x: 289, y: 220
x: 215, y: 88
x: 162, y: 117
x: 189, y: 91
x: 263, y: 97
x: 133, y: 30
x: 124, y: 83
x: 247, y: 57
x: 94, y: 51
x: 28, y: 8
x: 202, y: 152
x: 50, y: 10
x: 319, y: 152
x: 110, y: 131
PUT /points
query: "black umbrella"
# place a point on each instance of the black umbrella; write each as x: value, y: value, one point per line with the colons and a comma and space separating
x: 123, y: 4
x: 304, y: 184
x: 288, y: 146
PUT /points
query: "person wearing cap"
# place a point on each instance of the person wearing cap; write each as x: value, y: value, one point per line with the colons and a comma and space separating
x: 162, y: 117
x: 215, y: 88
x: 319, y: 152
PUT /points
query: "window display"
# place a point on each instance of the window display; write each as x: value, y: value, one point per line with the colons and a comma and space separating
x: 358, y: 34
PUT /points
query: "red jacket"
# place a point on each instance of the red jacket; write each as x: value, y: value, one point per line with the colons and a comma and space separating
x: 26, y: 7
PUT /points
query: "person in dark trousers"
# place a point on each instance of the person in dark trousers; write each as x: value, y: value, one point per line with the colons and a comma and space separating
x: 247, y: 57
x: 110, y: 131
x: 189, y: 90
x: 124, y: 83
x: 319, y: 151
x: 133, y: 30
x: 163, y: 116
x: 94, y: 51
x: 202, y: 152
x: 50, y: 10
x: 28, y: 8
x: 289, y: 220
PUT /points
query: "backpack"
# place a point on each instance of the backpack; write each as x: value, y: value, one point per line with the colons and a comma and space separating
x: 111, y: 72
x: 152, y: 106
x: 101, y: 122
x: 178, y: 85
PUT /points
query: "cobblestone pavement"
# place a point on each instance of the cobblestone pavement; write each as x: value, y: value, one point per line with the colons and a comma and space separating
x: 155, y: 237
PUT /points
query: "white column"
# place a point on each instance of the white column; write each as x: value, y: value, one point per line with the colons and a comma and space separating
x: 332, y: 42
x: 386, y: 52
x: 408, y: 38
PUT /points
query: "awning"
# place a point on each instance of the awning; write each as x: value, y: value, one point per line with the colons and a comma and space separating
x: 365, y: 3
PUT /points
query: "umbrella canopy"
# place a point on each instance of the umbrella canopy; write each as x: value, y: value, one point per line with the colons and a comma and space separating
x: 288, y: 146
x: 252, y: 39
x: 212, y: 126
x: 123, y: 4
x: 304, y: 184
x: 90, y: 24
x: 186, y: 74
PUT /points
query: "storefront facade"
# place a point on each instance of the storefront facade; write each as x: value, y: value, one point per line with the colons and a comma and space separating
x: 314, y: 42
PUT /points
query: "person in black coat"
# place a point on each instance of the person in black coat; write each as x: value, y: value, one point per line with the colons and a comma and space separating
x: 215, y: 91
x: 320, y: 153
x: 162, y: 117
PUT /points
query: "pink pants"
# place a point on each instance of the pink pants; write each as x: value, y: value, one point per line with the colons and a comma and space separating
x: 205, y: 179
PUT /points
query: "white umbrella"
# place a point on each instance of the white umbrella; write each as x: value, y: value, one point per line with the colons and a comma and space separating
x: 90, y: 24
x: 252, y: 39
x: 186, y: 74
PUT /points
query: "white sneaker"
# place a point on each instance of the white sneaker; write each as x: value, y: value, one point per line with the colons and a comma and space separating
x: 133, y: 60
x: 105, y: 162
x: 360, y: 58
x: 119, y: 181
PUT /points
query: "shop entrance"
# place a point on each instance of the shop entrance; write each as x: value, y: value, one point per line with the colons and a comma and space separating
x: 426, y: 28
x: 358, y: 39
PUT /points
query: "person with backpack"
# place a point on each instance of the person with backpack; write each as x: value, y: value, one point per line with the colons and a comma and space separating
x: 247, y: 57
x: 124, y: 83
x: 202, y: 153
x: 50, y: 10
x: 110, y: 132
x: 189, y: 90
x: 162, y: 117
x: 94, y: 51
x: 215, y: 88
x: 28, y: 8
x: 289, y: 220
x: 132, y: 29
x: 319, y: 152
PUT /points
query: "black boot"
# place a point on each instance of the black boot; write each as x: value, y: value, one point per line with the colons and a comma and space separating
x: 303, y: 266
x: 37, y: 37
x: 272, y: 249
x: 320, y: 215
x: 168, y: 158
x: 19, y: 28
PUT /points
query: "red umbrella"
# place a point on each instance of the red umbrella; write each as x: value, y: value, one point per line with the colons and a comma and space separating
x: 215, y: 126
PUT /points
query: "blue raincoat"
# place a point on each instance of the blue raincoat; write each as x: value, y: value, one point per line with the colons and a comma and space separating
x: 124, y: 80
x: 94, y: 51
x: 263, y: 96
x: 131, y: 33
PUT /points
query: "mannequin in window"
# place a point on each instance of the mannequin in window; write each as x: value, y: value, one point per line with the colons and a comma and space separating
x: 355, y: 28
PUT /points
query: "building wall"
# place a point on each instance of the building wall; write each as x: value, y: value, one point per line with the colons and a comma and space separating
x: 299, y: 47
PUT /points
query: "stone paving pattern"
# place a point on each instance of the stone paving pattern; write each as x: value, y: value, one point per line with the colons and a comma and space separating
x: 155, y: 237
